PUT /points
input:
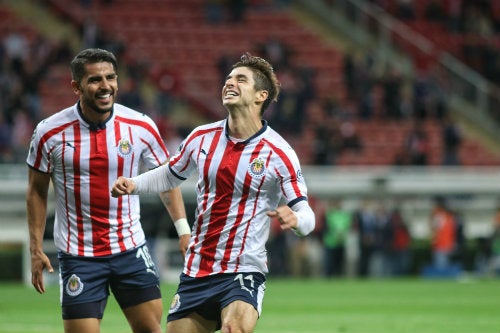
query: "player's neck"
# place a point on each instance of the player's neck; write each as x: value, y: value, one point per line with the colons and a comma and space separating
x: 243, y: 126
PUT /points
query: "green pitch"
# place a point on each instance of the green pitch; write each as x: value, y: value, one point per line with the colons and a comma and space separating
x: 344, y: 306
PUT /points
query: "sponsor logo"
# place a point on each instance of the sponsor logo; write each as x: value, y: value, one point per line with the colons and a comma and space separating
x: 257, y: 168
x: 74, y: 286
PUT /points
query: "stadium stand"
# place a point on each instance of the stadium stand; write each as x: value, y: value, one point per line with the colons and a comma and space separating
x: 179, y: 35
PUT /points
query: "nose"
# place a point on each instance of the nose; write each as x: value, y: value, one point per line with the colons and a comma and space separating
x: 229, y: 82
x: 105, y: 84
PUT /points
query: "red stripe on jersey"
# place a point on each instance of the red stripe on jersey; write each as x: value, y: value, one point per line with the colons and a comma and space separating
x: 289, y: 166
x: 153, y: 152
x: 241, y: 213
x: 146, y: 126
x: 206, y: 181
x: 99, y: 193
x: 119, y: 208
x: 77, y: 189
x: 45, y: 138
x: 224, y: 189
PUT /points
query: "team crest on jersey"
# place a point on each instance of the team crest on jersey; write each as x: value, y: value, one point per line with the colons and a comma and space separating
x: 176, y: 303
x: 257, y: 168
x: 124, y: 148
x: 74, y: 286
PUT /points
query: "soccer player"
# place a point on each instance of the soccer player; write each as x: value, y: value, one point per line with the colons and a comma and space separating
x: 101, y: 244
x: 245, y: 171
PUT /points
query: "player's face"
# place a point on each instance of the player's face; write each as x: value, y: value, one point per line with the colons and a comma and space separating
x: 239, y: 88
x: 98, y: 88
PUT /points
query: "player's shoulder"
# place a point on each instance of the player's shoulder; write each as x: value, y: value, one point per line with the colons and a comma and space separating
x: 126, y: 112
x: 203, y: 129
x: 58, y: 119
x: 276, y: 139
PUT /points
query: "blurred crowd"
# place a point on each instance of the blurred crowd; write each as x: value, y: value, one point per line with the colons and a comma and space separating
x: 374, y: 90
x: 477, y: 22
x: 373, y: 238
x: 25, y: 59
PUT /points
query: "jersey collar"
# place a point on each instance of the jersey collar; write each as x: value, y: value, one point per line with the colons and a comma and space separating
x: 258, y: 133
x: 90, y: 125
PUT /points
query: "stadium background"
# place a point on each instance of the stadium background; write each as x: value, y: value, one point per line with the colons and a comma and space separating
x: 358, y: 78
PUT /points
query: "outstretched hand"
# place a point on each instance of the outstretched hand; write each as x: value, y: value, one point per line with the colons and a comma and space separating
x: 122, y: 186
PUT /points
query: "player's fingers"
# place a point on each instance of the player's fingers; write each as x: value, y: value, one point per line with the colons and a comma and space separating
x: 272, y: 213
x: 37, y: 282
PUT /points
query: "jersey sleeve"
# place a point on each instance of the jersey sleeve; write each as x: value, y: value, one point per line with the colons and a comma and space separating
x: 182, y: 165
x: 39, y: 151
x: 155, y: 153
x: 293, y: 185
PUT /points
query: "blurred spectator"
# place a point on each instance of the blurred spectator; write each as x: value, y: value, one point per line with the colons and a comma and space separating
x: 392, y: 85
x: 326, y: 145
x: 443, y: 234
x: 495, y: 244
x: 16, y: 45
x: 237, y: 10
x: 5, y: 140
x: 415, y: 150
x: 365, y: 224
x: 452, y: 139
x: 130, y: 94
x: 337, y: 225
x: 223, y: 11
x: 434, y: 11
x: 214, y: 11
x: 276, y: 51
x: 398, y: 244
x: 405, y: 9
x: 454, y: 12
x: 90, y: 32
x: 349, y: 138
x: 421, y: 94
x: 278, y: 250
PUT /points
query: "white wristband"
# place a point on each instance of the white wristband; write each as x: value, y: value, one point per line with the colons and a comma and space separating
x: 182, y: 227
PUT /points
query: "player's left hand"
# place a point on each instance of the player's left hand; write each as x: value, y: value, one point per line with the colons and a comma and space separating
x: 285, y: 216
x: 184, y: 243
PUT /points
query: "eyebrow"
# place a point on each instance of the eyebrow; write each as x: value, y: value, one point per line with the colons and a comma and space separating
x: 238, y: 76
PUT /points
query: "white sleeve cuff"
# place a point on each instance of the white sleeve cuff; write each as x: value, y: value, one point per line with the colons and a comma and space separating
x: 306, y: 219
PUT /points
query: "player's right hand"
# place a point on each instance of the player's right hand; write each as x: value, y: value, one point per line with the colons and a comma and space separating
x: 39, y: 262
x: 122, y: 186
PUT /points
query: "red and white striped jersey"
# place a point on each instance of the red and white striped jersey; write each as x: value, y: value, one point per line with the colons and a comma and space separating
x: 238, y: 183
x: 83, y: 164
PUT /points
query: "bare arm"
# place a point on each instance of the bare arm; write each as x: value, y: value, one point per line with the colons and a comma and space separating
x: 174, y: 203
x: 36, y: 202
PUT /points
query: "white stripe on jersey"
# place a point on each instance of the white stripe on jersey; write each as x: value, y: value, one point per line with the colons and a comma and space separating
x: 238, y: 183
x: 84, y: 164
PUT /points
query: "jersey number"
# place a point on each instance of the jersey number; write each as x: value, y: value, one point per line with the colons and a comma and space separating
x: 242, y: 279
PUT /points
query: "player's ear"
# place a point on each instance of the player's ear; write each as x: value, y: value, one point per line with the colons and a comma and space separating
x: 75, y: 86
x: 262, y: 95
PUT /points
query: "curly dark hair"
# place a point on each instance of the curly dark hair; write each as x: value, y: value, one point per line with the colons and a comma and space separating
x: 90, y: 56
x: 264, y: 76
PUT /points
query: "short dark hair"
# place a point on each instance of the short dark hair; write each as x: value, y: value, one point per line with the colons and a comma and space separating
x: 90, y: 56
x: 264, y: 76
